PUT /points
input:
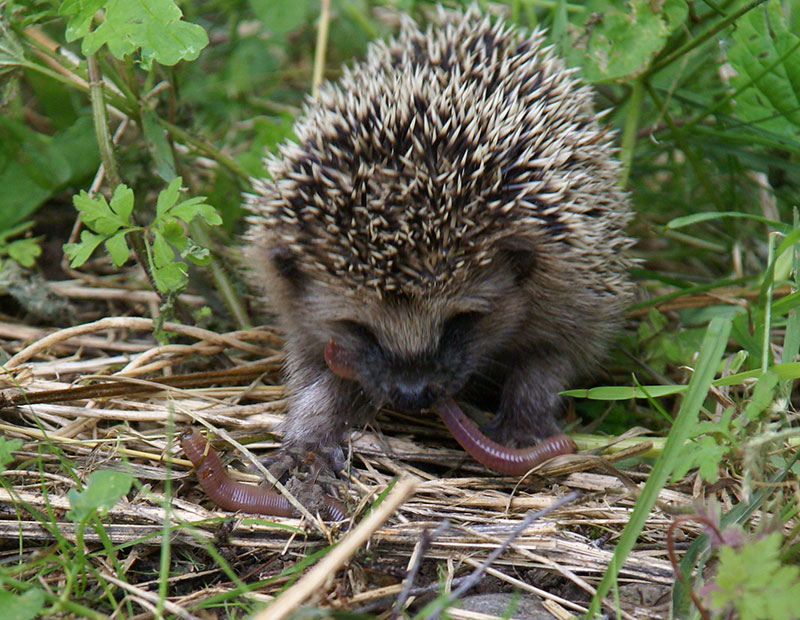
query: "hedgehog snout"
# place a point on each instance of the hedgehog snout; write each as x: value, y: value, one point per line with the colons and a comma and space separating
x: 412, y: 394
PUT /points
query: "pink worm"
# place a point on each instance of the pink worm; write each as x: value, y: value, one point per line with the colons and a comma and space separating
x: 231, y: 495
x: 512, y: 461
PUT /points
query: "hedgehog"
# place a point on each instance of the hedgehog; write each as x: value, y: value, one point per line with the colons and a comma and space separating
x: 449, y: 222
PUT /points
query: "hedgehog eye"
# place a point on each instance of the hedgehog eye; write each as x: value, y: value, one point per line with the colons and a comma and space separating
x: 359, y: 330
x: 285, y: 263
x: 520, y: 256
x: 459, y: 324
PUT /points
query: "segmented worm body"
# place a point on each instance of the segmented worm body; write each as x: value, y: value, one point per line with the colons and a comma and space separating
x: 511, y: 461
x: 231, y: 495
x: 505, y: 460
x: 221, y: 489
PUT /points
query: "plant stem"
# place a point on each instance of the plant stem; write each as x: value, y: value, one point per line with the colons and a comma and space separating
x: 765, y: 348
x: 223, y: 283
x: 113, y: 71
x: 701, y: 38
x: 199, y: 232
x: 673, y: 558
x: 166, y: 548
x: 322, y: 44
x: 66, y: 72
x: 141, y: 250
x: 100, y: 118
x: 629, y: 132
x: 181, y: 135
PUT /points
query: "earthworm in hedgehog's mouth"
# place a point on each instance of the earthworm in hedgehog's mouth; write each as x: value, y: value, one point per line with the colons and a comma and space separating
x: 512, y: 461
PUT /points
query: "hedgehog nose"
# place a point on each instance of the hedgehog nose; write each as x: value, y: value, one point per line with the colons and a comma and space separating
x: 412, y: 394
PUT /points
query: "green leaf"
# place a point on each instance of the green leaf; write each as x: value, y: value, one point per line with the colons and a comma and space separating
x: 24, y: 251
x: 741, y: 334
x: 82, y: 12
x: 117, y: 248
x: 78, y: 145
x: 173, y: 232
x: 763, y: 395
x: 153, y: 26
x: 766, y: 58
x: 104, y: 488
x: 34, y: 166
x: 787, y: 371
x: 122, y: 204
x: 7, y: 446
x: 618, y: 41
x: 788, y: 241
x: 196, y: 254
x: 21, y: 195
x: 102, y: 218
x: 281, y: 17
x: 624, y: 392
x: 193, y: 207
x: 168, y: 272
x: 171, y: 277
x: 267, y: 134
x: 705, y: 454
x: 21, y: 606
x: 80, y: 252
x: 160, y: 150
x: 752, y: 580
x: 12, y: 53
x: 185, y: 211
x: 91, y: 209
x: 720, y: 427
x: 168, y: 197
x: 163, y: 254
x: 13, y: 231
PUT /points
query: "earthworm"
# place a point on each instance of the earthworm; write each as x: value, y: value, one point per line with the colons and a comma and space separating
x: 231, y: 495
x: 512, y: 461
x: 505, y: 460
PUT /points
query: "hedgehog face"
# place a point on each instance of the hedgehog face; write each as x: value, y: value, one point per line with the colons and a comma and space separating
x: 412, y: 358
x: 409, y: 349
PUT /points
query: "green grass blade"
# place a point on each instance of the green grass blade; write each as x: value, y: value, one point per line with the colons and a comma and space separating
x: 788, y: 371
x: 688, y: 220
x: 711, y: 352
x: 625, y: 392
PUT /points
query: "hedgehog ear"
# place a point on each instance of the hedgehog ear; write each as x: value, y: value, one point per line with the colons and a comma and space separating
x: 285, y: 263
x: 520, y: 255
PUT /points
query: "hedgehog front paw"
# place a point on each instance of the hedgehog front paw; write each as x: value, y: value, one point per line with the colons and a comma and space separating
x: 519, y: 429
x: 506, y: 431
x: 297, y: 460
